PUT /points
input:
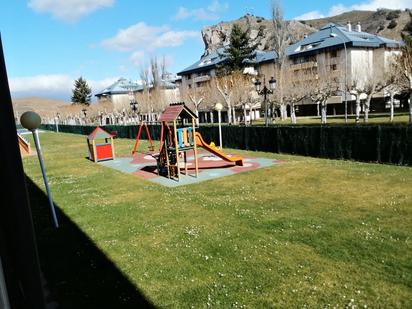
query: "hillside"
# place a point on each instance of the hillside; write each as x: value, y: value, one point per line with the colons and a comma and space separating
x: 386, y: 23
x: 43, y: 106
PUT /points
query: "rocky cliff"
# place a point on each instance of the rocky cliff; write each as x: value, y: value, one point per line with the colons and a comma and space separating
x: 387, y: 23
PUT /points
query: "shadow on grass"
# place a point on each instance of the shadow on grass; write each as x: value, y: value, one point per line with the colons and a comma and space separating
x: 77, y: 273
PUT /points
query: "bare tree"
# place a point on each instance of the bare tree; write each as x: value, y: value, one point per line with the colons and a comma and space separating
x: 392, y: 86
x: 404, y: 68
x: 196, y: 96
x: 296, y: 90
x: 282, y: 37
x: 321, y: 86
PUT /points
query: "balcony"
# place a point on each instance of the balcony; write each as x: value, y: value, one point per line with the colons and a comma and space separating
x: 200, y: 79
x: 304, y: 65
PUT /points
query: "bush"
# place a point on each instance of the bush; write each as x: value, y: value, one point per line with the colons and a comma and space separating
x: 392, y: 24
x: 393, y: 15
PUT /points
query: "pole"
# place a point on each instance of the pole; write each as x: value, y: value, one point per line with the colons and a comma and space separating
x: 220, y: 129
x: 43, y: 170
x: 346, y: 82
x: 57, y: 125
x: 266, y: 106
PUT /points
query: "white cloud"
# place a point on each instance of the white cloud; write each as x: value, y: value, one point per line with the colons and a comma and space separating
x: 52, y: 85
x: 142, y: 36
x: 370, y: 5
x: 137, y: 58
x: 310, y: 15
x: 211, y: 12
x: 68, y: 10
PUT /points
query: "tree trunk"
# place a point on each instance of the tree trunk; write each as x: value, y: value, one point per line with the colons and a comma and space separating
x: 283, y: 112
x: 410, y: 108
x: 229, y: 113
x: 244, y: 114
x: 392, y: 94
x: 197, y: 114
x: 234, y: 115
x: 367, y: 107
x: 358, y: 108
x: 250, y: 114
x: 324, y: 112
x: 292, y: 113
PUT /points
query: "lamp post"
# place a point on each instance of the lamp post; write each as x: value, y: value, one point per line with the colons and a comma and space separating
x: 334, y: 35
x: 265, y: 91
x: 57, y: 122
x: 31, y: 121
x: 133, y: 105
x: 218, y: 108
x: 84, y: 113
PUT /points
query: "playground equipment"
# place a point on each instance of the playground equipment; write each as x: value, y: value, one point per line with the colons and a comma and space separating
x: 24, y: 145
x: 217, y: 152
x: 102, y: 151
x: 176, y: 142
x: 151, y: 147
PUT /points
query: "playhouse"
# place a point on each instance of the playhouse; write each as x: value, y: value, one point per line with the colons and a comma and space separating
x: 177, y: 138
x: 100, y: 145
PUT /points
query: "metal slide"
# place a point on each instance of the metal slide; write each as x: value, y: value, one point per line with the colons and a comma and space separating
x: 212, y: 149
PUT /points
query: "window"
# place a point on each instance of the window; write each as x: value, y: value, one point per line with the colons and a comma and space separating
x: 189, y: 86
x: 333, y: 53
x: 333, y: 67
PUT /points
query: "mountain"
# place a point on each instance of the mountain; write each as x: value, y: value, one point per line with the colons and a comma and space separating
x: 42, y: 106
x: 384, y: 22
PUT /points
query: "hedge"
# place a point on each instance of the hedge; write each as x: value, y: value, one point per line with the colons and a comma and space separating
x: 367, y: 143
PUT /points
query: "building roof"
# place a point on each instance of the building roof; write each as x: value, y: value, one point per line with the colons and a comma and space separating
x: 322, y: 39
x: 172, y: 112
x: 124, y: 86
x: 217, y: 57
x: 121, y: 86
x: 98, y: 133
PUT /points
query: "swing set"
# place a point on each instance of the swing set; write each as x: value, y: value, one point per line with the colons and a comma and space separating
x: 151, y: 147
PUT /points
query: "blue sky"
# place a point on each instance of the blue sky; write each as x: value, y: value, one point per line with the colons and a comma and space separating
x: 49, y: 43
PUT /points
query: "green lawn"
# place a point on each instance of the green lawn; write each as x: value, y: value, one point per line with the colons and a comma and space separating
x: 399, y: 118
x: 308, y: 232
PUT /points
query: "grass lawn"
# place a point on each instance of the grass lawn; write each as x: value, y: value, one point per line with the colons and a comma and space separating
x: 399, y: 118
x: 308, y: 232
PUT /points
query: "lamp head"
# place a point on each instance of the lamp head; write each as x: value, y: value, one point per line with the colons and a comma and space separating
x: 30, y: 120
x: 272, y: 83
x: 258, y: 85
x: 218, y: 107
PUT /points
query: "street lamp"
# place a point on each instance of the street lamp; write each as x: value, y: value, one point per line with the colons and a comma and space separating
x: 57, y: 122
x: 133, y: 105
x: 84, y: 113
x: 31, y: 121
x: 265, y: 91
x: 218, y: 108
x: 334, y: 35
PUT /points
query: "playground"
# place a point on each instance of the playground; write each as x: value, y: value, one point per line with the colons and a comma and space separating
x: 210, y: 167
x: 306, y: 232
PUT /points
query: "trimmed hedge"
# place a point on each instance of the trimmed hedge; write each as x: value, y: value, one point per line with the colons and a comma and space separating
x: 371, y: 143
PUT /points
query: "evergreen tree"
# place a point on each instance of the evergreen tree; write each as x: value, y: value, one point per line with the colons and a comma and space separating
x: 81, y: 92
x: 238, y: 50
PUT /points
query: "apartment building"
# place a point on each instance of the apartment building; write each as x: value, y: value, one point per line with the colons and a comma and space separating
x: 340, y: 51
x: 202, y: 73
x: 121, y: 92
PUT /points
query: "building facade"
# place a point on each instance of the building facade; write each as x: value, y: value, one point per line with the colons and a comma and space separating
x: 347, y: 55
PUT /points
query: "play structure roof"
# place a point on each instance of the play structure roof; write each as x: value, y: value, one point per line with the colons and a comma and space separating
x: 172, y: 112
x: 98, y: 133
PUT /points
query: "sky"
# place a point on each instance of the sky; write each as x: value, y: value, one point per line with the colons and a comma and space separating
x: 50, y: 43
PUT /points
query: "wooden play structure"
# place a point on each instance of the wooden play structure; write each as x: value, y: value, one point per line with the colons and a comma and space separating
x: 24, y: 146
x: 100, y: 145
x: 177, y: 137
